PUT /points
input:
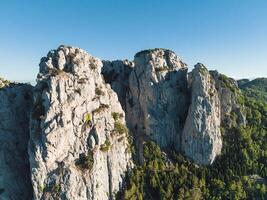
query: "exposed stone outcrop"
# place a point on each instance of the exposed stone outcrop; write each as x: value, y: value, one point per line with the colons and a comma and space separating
x: 157, y: 101
x: 201, y: 139
x: 78, y: 147
x: 75, y: 122
x: 228, y: 94
x: 15, y: 106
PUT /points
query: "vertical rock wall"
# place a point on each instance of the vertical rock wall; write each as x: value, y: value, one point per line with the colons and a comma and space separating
x: 157, y: 101
x: 78, y: 147
x: 15, y: 106
x: 77, y: 134
x: 201, y: 139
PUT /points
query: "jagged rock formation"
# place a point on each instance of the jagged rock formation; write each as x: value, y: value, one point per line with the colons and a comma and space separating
x: 78, y: 147
x: 228, y: 94
x: 153, y: 94
x: 156, y: 94
x: 201, y: 139
x: 15, y: 106
x: 157, y: 102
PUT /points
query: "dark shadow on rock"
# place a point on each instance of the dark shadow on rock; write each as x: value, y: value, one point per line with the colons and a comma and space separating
x: 15, y: 107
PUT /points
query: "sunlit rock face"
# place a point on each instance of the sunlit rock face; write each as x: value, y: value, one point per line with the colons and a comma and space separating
x: 153, y: 92
x: 15, y: 106
x: 157, y: 102
x: 78, y: 144
x: 201, y: 139
x: 73, y: 122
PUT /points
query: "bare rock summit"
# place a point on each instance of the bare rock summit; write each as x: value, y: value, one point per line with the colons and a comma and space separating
x: 78, y: 143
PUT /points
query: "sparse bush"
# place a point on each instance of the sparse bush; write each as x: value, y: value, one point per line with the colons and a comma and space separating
x: 41, y: 188
x: 86, y: 162
x: 87, y: 118
x: 130, y: 147
x: 162, y: 69
x: 99, y: 92
x: 116, y: 115
x: 56, y: 189
x: 92, y: 66
x: 56, y: 72
x: 120, y: 128
x: 105, y: 147
x: 101, y: 108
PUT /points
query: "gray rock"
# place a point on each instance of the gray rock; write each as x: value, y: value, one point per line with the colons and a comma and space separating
x: 15, y: 106
x: 75, y: 149
x: 201, y: 140
x: 117, y: 73
x: 157, y: 100
x: 76, y: 134
x: 228, y: 94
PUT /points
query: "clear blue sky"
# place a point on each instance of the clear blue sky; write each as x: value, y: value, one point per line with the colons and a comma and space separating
x: 227, y: 35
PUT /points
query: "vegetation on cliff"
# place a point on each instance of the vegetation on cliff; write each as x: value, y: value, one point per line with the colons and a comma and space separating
x: 238, y: 173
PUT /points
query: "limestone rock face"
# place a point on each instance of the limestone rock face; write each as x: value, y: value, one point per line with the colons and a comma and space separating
x: 15, y: 106
x: 228, y: 94
x: 201, y: 139
x: 157, y: 99
x: 117, y: 73
x: 78, y: 145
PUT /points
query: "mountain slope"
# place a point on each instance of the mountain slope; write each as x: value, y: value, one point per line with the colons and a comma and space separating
x: 141, y: 129
x: 256, y: 88
x: 238, y: 173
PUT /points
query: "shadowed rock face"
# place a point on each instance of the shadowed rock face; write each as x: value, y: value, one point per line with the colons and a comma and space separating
x: 78, y: 145
x: 117, y: 73
x: 15, y: 106
x: 201, y: 139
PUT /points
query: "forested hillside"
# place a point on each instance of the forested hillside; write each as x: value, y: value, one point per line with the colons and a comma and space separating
x: 256, y: 88
x: 238, y: 173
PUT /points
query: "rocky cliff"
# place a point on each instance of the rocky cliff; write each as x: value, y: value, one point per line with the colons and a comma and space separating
x: 75, y: 121
x: 154, y: 94
x: 157, y: 101
x: 15, y: 106
x: 229, y: 95
x: 78, y: 146
x: 201, y: 139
